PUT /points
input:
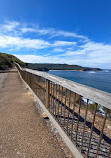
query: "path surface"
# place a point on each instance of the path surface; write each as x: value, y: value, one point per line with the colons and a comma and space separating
x: 23, y: 132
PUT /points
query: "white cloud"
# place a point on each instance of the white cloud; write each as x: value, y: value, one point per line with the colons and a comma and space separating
x: 86, y: 53
x: 10, y: 26
x: 58, y: 50
x: 73, y: 53
x: 97, y: 52
x: 64, y: 43
x: 53, y: 33
x: 9, y: 41
x: 68, y: 34
x: 92, y: 54
x: 19, y: 42
x: 26, y: 29
x: 40, y: 59
x: 90, y: 45
x: 36, y: 30
x: 68, y: 60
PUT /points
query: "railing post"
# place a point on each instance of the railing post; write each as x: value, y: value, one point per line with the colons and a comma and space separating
x: 47, y: 93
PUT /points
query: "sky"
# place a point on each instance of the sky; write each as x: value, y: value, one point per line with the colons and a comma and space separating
x: 57, y: 31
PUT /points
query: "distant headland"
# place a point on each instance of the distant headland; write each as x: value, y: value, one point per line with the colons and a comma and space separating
x: 7, y: 61
x: 65, y: 67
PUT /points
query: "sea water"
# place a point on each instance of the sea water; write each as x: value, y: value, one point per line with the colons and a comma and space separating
x: 97, y: 79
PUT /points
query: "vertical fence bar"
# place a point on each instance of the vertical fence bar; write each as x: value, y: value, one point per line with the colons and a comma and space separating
x: 53, y: 98
x: 36, y: 84
x: 33, y: 81
x: 92, y: 129
x: 84, y: 125
x: 27, y: 77
x: 78, y: 118
x: 44, y: 84
x: 109, y: 152
x: 50, y: 96
x: 73, y: 113
x: 65, y: 106
x: 58, y: 103
x: 106, y: 110
x: 68, y: 111
x: 61, y: 103
x: 47, y: 93
x: 29, y: 80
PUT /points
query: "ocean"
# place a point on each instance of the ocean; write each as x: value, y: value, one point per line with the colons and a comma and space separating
x: 97, y: 79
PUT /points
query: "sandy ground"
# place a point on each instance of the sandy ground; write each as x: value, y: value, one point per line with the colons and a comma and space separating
x: 23, y: 131
x: 2, y: 77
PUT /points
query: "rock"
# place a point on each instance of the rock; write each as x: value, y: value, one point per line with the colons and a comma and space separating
x: 44, y: 115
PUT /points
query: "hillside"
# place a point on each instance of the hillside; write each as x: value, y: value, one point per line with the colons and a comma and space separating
x: 47, y: 67
x: 7, y: 61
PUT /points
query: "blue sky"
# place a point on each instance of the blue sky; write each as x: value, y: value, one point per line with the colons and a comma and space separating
x: 57, y: 31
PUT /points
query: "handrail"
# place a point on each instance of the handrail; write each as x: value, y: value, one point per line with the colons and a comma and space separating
x: 82, y: 121
x: 98, y: 96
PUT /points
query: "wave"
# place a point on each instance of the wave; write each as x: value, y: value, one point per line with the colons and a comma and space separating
x: 92, y: 72
x: 106, y: 71
x: 85, y: 100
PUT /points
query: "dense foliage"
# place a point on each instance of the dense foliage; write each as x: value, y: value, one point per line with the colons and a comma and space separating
x: 7, y: 61
x: 46, y: 67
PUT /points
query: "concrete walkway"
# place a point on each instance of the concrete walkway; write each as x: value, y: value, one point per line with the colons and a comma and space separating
x: 23, y: 132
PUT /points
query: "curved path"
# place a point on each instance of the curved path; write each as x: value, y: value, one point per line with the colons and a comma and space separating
x: 23, y: 132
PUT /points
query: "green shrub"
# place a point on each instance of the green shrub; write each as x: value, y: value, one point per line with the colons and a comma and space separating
x: 92, y: 107
x: 7, y: 61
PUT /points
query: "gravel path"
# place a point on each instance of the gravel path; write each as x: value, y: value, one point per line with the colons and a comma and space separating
x: 2, y: 77
x: 23, y: 132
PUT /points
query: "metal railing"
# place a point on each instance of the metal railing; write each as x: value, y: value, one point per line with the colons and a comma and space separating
x: 83, y: 112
